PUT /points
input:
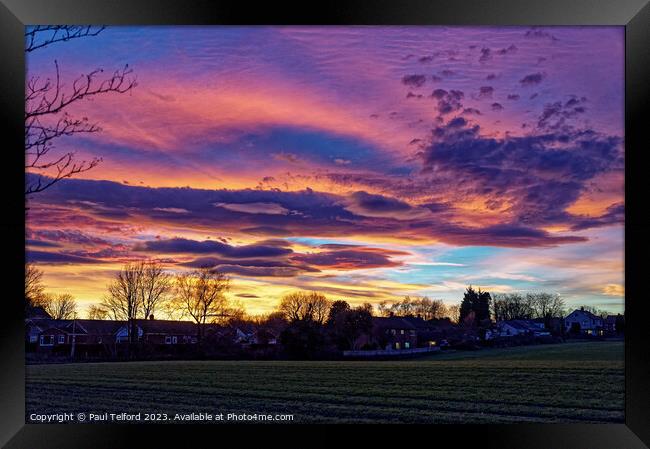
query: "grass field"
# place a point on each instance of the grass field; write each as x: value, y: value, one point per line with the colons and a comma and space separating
x: 572, y: 382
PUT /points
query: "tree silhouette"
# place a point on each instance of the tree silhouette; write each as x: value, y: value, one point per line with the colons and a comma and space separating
x: 46, y: 104
x: 477, y: 302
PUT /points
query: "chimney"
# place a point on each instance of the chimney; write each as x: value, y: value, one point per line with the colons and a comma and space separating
x: 582, y: 308
x: 151, y: 316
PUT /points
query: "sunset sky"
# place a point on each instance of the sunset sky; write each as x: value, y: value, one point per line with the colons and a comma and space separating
x: 367, y: 163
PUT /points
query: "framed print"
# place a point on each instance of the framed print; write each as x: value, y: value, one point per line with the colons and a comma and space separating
x: 425, y: 214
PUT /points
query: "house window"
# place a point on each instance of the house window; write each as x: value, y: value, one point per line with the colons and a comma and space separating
x: 33, y: 338
x: 402, y: 331
x: 397, y: 345
x: 392, y: 331
x: 174, y: 340
x: 412, y: 333
x: 61, y: 339
x: 407, y: 345
x: 47, y: 340
x: 194, y: 340
x: 168, y: 340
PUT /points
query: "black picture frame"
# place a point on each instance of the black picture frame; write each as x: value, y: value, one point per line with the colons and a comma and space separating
x: 633, y: 14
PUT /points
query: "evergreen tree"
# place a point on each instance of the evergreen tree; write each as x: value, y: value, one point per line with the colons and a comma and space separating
x: 467, y: 305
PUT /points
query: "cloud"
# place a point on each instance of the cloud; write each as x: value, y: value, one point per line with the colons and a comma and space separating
x: 559, y: 114
x: 485, y: 92
x: 287, y: 157
x: 533, y: 177
x: 41, y: 243
x: 614, y: 290
x: 350, y: 258
x: 486, y: 55
x: 537, y: 33
x: 539, y: 175
x: 510, y: 49
x: 181, y: 245
x: 448, y: 101
x: 414, y: 80
x: 532, y: 79
x: 172, y: 210
x: 45, y: 257
x: 254, y: 208
x: 372, y: 205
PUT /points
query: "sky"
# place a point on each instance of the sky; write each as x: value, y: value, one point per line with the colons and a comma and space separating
x: 366, y: 163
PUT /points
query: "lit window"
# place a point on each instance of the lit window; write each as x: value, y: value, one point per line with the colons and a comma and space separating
x: 61, y: 339
x: 174, y: 340
x: 168, y: 340
x: 32, y: 338
x: 402, y: 331
x: 407, y: 345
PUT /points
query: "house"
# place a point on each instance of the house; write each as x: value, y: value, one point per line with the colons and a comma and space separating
x: 555, y: 325
x: 513, y: 328
x: 245, y: 334
x: 609, y: 324
x: 584, y: 322
x: 431, y: 332
x: 395, y: 333
x: 164, y: 332
x: 37, y: 313
x: 50, y: 333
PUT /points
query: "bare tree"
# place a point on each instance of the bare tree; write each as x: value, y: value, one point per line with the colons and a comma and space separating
x: 201, y: 295
x: 423, y: 307
x: 453, y: 312
x: 61, y: 306
x: 154, y: 286
x: 33, y: 286
x: 546, y: 305
x: 46, y: 104
x: 122, y: 300
x: 97, y: 312
x: 305, y: 306
x: 512, y: 306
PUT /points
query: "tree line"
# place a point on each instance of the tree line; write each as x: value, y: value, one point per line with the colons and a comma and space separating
x: 143, y: 288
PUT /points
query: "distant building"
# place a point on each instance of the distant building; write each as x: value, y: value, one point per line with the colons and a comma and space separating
x: 36, y: 313
x: 44, y: 334
x: 512, y: 328
x: 583, y: 322
x: 609, y: 324
x: 48, y: 334
x: 395, y: 332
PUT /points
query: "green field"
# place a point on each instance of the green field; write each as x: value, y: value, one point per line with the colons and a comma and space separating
x: 572, y: 382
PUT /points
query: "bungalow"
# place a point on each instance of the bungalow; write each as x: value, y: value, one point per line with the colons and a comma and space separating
x: 584, y: 322
x: 163, y: 332
x: 50, y: 333
x: 512, y: 328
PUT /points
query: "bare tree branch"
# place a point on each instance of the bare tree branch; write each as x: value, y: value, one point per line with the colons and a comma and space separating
x: 46, y: 101
x: 43, y: 35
